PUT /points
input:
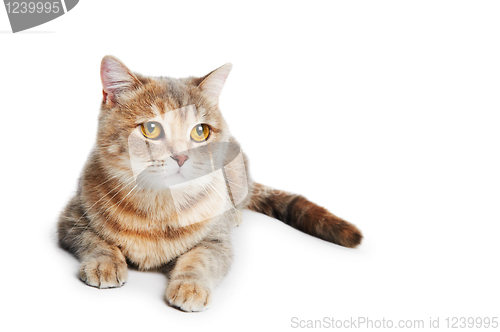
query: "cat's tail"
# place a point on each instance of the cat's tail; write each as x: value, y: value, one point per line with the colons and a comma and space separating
x: 298, y: 212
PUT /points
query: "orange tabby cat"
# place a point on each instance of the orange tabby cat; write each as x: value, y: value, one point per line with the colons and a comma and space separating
x: 164, y: 185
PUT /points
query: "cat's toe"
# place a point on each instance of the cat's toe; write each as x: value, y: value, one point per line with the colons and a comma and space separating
x: 188, y: 295
x: 104, y: 272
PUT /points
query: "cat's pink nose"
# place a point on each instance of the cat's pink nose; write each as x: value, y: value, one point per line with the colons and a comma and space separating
x: 180, y: 159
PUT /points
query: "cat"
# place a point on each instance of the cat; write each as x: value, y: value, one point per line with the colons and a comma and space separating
x: 164, y: 185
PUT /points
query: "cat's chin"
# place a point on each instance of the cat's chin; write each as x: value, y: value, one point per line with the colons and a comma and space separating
x: 154, y: 180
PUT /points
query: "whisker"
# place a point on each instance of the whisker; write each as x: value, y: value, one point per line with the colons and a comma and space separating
x: 90, y: 208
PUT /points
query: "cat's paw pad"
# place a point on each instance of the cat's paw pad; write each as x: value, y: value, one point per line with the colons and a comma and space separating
x: 104, y: 272
x: 188, y: 295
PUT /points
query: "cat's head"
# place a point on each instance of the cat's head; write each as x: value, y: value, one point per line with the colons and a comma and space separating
x: 161, y: 131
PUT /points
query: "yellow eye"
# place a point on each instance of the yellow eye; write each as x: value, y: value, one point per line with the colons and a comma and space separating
x: 200, y: 132
x: 152, y: 130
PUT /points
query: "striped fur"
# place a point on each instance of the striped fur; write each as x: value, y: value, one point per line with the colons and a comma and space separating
x: 112, y: 223
x: 298, y: 212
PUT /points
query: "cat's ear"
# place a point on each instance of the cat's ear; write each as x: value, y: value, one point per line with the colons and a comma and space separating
x: 213, y: 83
x: 116, y: 78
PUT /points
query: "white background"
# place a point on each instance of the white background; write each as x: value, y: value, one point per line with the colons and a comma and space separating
x: 385, y: 112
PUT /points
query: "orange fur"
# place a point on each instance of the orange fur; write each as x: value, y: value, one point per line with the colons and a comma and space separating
x: 112, y: 220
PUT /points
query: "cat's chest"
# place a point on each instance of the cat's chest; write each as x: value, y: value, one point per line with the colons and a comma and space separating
x: 150, y: 249
x: 154, y: 229
x: 151, y: 240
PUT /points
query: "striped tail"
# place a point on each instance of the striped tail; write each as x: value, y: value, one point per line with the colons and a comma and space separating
x: 298, y: 212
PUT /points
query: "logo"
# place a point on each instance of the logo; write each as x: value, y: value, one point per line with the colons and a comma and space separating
x: 24, y: 15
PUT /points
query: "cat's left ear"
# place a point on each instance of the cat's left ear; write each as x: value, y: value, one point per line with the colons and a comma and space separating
x: 213, y: 83
x: 116, y: 79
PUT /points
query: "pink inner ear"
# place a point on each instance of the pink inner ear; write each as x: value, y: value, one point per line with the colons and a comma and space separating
x: 104, y: 96
x: 108, y: 98
x: 116, y: 78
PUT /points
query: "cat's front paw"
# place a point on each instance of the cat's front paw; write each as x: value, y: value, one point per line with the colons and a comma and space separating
x: 188, y: 295
x: 104, y: 272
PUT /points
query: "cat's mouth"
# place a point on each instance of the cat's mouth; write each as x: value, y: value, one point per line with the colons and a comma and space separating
x: 163, y: 171
x: 154, y: 177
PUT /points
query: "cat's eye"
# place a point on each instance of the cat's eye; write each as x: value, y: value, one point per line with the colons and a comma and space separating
x: 200, y: 132
x: 152, y: 130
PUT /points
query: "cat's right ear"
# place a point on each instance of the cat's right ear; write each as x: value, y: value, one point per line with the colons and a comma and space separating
x: 116, y: 79
x: 213, y: 83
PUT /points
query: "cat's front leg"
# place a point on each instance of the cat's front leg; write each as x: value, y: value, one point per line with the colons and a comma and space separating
x: 104, y: 269
x: 197, y: 272
x: 102, y: 265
